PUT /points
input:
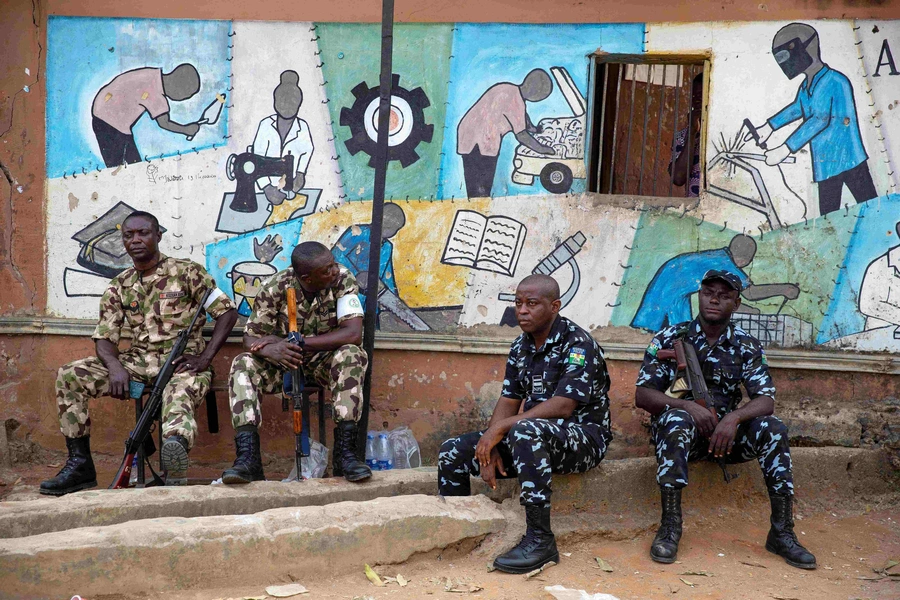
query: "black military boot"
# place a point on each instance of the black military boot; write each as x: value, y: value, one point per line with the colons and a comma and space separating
x: 536, y: 548
x: 77, y: 474
x: 174, y: 459
x: 247, y: 466
x: 337, y: 455
x: 665, y: 544
x: 345, y: 440
x: 782, y: 540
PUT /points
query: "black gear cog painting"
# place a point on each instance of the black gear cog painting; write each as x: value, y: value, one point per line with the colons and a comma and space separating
x: 407, y: 122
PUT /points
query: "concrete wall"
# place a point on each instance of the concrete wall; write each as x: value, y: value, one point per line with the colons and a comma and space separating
x: 58, y: 244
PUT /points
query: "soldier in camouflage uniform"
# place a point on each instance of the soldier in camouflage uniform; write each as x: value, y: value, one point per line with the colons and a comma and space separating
x: 682, y: 430
x: 329, y: 319
x: 155, y: 300
x: 558, y: 369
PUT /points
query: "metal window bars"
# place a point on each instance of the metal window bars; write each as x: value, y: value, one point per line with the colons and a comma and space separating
x: 634, y: 133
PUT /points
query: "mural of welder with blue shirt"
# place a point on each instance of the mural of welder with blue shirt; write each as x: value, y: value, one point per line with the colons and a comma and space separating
x: 830, y: 126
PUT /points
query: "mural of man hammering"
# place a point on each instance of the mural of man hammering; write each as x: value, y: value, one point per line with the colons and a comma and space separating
x: 500, y: 110
x: 122, y: 102
x: 830, y: 125
x: 283, y: 133
x: 667, y: 299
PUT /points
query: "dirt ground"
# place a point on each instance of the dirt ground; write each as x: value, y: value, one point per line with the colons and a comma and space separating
x: 851, y: 540
x: 728, y: 547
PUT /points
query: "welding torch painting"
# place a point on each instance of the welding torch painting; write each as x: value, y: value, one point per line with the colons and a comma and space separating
x: 828, y: 123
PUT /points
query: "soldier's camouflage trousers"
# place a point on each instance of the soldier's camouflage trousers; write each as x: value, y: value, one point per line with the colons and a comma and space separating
x: 533, y: 450
x: 763, y: 438
x: 342, y: 370
x: 87, y: 378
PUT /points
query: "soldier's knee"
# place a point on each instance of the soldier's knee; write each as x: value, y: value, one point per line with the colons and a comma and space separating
x: 351, y: 354
x: 774, y: 426
x: 447, y: 450
x: 243, y: 362
x: 674, y: 422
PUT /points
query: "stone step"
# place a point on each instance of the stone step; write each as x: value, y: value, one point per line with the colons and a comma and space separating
x: 618, y: 487
x: 275, y: 545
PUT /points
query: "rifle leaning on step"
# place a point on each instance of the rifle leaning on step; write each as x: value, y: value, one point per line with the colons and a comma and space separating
x: 141, y: 432
x: 688, y: 365
x: 298, y: 383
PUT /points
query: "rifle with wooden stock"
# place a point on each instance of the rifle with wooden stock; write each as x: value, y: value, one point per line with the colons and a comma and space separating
x: 141, y: 432
x: 298, y: 383
x: 688, y: 365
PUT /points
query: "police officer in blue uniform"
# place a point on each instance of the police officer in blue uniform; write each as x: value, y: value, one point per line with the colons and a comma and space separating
x: 683, y: 430
x: 558, y: 370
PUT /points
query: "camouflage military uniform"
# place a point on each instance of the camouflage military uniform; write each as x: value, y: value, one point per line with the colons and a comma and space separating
x: 569, y: 364
x: 155, y: 307
x: 342, y: 370
x: 735, y: 358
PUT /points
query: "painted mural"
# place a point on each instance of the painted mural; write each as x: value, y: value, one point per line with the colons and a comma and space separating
x: 258, y: 135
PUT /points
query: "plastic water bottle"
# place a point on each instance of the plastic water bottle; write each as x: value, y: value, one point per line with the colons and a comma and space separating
x: 384, y: 454
x: 371, y: 456
x: 132, y: 479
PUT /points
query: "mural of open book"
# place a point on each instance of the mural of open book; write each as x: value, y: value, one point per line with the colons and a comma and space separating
x: 485, y: 243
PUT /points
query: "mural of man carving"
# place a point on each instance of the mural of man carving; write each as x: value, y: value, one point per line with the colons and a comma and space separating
x: 667, y: 299
x: 284, y: 132
x: 830, y: 125
x: 120, y: 104
x: 500, y: 110
x: 352, y: 249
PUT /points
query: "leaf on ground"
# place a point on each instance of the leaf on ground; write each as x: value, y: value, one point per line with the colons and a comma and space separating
x: 698, y: 573
x: 890, y: 565
x: 686, y: 582
x: 402, y: 580
x: 604, y: 566
x: 372, y: 576
x: 539, y: 569
x: 286, y: 591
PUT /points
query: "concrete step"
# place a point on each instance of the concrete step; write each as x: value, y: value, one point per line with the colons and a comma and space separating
x: 176, y: 553
x: 624, y: 488
x: 99, y: 507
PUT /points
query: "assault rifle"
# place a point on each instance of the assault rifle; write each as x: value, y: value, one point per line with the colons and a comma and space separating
x: 298, y: 383
x: 686, y: 360
x: 141, y: 431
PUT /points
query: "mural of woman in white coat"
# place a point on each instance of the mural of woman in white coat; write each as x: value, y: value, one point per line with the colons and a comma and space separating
x: 284, y: 132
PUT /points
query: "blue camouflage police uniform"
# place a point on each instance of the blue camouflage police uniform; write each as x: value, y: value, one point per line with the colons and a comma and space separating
x: 569, y: 364
x: 736, y: 358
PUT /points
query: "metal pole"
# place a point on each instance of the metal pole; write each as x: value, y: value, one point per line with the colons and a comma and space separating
x: 381, y: 165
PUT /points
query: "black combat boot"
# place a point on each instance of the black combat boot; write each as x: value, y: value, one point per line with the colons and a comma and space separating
x: 782, y: 540
x: 77, y: 474
x: 337, y: 455
x: 174, y: 459
x: 345, y: 440
x: 665, y: 544
x: 247, y: 466
x: 536, y: 548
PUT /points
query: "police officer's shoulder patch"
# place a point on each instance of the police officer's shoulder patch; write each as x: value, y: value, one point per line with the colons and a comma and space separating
x: 653, y: 348
x: 576, y: 357
x: 765, y: 360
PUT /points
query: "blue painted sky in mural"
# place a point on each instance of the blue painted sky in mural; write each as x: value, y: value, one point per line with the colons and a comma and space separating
x: 84, y: 54
x: 873, y: 235
x: 484, y: 55
x: 221, y: 257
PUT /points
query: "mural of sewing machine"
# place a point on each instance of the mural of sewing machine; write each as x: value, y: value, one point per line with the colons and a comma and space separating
x: 247, y: 208
x: 564, y: 254
x: 565, y: 135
